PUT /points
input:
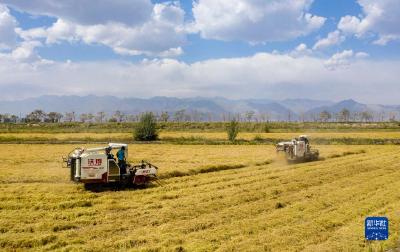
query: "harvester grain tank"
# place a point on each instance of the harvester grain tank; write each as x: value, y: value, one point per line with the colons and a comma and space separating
x: 94, y: 166
x: 298, y: 150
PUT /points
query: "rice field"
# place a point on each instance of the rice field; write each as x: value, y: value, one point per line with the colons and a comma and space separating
x: 165, y: 135
x: 250, y: 136
x: 258, y: 203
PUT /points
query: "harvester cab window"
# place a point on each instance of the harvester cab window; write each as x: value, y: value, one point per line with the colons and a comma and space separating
x: 304, y: 139
x: 109, y: 153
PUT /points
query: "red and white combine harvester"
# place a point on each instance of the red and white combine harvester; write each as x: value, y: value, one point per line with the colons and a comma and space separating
x: 96, y: 166
x: 298, y: 150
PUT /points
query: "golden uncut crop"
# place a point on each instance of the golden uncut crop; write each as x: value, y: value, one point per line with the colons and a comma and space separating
x: 6, y: 137
x: 250, y: 136
x: 63, y: 136
x: 318, y: 206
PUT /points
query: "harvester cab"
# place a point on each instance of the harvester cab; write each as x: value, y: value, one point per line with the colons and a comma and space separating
x: 298, y: 150
x: 96, y: 166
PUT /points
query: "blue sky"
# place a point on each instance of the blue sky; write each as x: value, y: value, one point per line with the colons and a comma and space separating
x: 321, y: 49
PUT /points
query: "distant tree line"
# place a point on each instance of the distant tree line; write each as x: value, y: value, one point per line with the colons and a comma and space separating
x: 345, y: 115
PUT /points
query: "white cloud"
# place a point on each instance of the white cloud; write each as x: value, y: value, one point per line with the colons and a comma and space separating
x: 60, y: 30
x: 384, y: 39
x: 344, y: 59
x: 161, y: 35
x: 350, y: 25
x: 333, y: 38
x: 254, y: 21
x: 88, y: 12
x: 263, y: 75
x: 362, y: 55
x: 25, y: 53
x: 340, y: 59
x: 301, y: 50
x: 173, y: 52
x: 8, y: 36
x: 380, y: 18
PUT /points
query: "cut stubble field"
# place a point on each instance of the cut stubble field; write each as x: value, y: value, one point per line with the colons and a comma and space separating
x: 224, y: 198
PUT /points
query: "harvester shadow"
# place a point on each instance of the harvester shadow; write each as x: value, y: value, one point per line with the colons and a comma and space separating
x: 98, y: 188
x: 294, y: 162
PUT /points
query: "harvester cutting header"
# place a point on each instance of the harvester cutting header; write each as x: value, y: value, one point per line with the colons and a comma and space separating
x: 98, y: 166
x: 298, y: 150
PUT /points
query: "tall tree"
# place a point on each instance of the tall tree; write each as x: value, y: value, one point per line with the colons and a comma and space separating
x: 232, y: 130
x: 83, y: 117
x: 90, y: 117
x: 70, y: 116
x: 366, y: 116
x: 54, y: 117
x: 392, y: 116
x: 131, y: 118
x: 100, y: 116
x: 146, y: 129
x: 249, y: 115
x: 164, y: 117
x: 344, y: 115
x: 302, y: 116
x: 119, y: 116
x: 6, y: 118
x: 36, y: 116
x: 264, y: 117
x: 325, y: 116
x: 179, y: 115
x: 14, y: 118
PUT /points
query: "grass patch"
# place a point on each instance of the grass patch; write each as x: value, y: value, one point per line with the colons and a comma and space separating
x: 257, y: 127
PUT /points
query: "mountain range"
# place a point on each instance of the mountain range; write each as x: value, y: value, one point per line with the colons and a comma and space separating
x: 217, y: 107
